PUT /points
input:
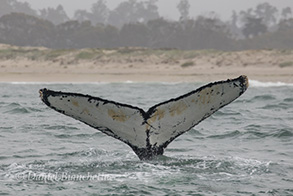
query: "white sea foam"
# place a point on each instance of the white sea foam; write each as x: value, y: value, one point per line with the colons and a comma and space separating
x: 255, y: 83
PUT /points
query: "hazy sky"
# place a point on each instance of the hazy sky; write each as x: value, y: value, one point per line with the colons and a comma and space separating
x: 167, y: 8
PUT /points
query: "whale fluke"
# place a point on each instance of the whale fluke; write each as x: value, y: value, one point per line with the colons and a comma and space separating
x: 148, y: 133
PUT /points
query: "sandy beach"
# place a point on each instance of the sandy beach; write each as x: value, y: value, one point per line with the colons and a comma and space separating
x: 30, y: 64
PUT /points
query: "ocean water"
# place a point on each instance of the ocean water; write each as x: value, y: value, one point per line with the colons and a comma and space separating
x: 246, y: 148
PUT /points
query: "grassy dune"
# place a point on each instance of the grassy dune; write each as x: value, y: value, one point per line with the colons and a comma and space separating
x: 185, y: 65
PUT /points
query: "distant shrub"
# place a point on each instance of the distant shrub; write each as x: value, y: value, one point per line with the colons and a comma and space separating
x: 286, y: 64
x: 187, y: 64
x: 85, y: 55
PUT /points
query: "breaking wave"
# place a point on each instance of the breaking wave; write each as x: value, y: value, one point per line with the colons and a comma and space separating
x: 255, y: 83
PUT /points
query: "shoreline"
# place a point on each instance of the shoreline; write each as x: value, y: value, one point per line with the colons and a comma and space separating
x: 113, y: 78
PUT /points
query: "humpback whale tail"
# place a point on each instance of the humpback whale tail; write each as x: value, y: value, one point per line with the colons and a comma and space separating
x: 148, y: 133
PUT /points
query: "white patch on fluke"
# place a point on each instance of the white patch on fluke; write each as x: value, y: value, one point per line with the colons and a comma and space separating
x: 147, y: 133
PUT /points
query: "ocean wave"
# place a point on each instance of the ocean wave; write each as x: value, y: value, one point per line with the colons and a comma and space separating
x: 288, y: 100
x: 263, y: 98
x: 280, y: 106
x: 255, y: 83
x: 60, y: 127
x: 226, y: 135
x: 254, y: 132
x: 17, y: 108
